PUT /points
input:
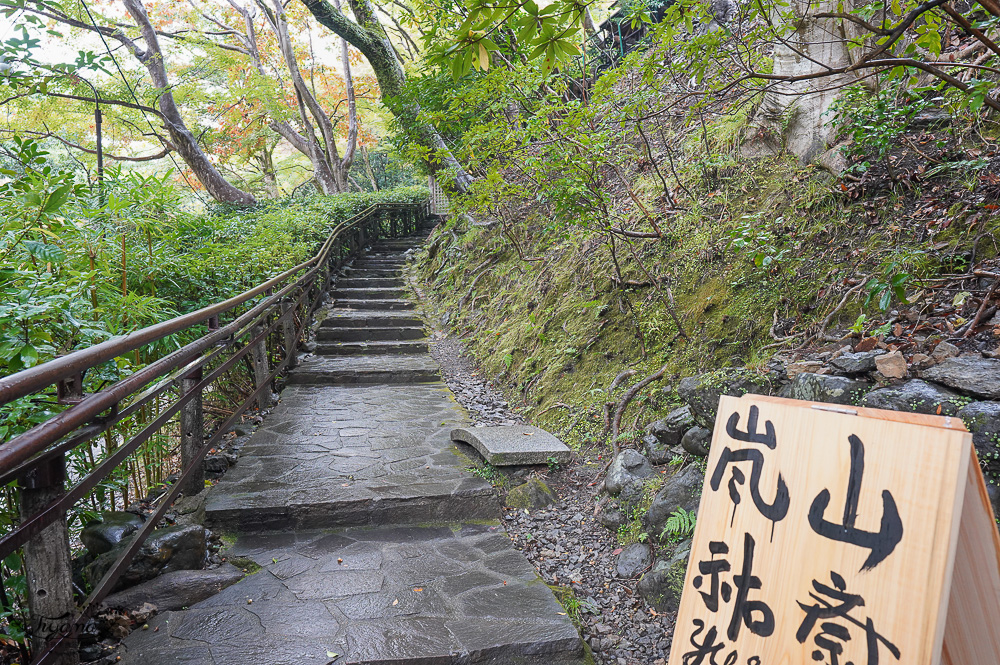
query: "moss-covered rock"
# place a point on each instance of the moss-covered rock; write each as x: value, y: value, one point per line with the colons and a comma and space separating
x: 662, y: 586
x: 533, y: 495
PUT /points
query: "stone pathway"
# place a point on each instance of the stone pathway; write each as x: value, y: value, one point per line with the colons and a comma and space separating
x: 370, y: 541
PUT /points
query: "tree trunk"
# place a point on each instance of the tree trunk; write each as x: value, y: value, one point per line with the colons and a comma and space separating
x: 369, y: 37
x: 793, y: 116
x: 180, y: 136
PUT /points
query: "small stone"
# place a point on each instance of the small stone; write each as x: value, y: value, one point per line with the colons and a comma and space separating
x: 891, y: 365
x: 921, y: 360
x: 794, y: 369
x: 857, y: 363
x: 944, y: 350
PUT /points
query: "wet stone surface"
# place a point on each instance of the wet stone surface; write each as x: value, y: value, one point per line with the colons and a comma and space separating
x: 332, y: 456
x: 392, y: 595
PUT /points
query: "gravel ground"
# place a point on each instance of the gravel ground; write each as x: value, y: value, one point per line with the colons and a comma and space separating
x: 565, y: 542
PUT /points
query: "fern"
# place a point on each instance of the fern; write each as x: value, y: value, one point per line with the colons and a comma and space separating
x: 679, y: 525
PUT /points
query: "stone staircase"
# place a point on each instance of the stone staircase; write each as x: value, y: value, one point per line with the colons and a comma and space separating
x: 369, y: 540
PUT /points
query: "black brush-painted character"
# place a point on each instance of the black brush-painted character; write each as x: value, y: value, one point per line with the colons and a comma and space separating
x: 880, y: 543
x: 754, y: 614
x: 831, y: 609
x: 774, y: 511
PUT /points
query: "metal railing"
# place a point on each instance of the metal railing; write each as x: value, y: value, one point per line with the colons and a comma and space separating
x: 268, y: 320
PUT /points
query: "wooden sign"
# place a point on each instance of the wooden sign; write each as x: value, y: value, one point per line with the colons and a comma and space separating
x: 842, y: 536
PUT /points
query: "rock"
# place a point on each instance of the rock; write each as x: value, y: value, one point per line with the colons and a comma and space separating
x: 696, y: 441
x: 921, y: 360
x: 101, y: 537
x: 794, y: 369
x: 915, y: 396
x: 173, y: 591
x: 533, y: 494
x: 611, y: 517
x: 891, y: 365
x: 670, y: 430
x: 661, y: 587
x: 983, y: 420
x: 631, y: 497
x: 968, y: 374
x: 943, y: 351
x: 166, y: 550
x: 866, y: 344
x: 825, y: 388
x: 656, y: 452
x: 857, y: 363
x: 628, y: 467
x: 702, y: 392
x: 681, y: 490
x: 930, y: 119
x: 634, y: 560
x: 216, y: 465
x: 664, y: 434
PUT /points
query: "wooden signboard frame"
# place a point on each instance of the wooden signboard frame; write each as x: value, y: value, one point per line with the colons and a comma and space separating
x: 916, y: 548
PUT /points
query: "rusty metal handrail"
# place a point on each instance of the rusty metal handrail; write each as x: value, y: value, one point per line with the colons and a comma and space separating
x: 36, y: 457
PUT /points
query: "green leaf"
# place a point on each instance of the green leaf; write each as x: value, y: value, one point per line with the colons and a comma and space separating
x: 46, y: 252
x: 29, y: 355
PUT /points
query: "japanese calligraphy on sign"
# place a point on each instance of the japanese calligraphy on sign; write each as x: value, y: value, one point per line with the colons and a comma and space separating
x: 839, y: 536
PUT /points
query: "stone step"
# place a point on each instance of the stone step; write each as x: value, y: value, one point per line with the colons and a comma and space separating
x: 352, y: 456
x: 430, y: 595
x: 378, y: 264
x: 368, y: 334
x: 350, y: 303
x: 378, y: 293
x: 370, y: 319
x: 369, y: 282
x: 365, y: 370
x: 367, y: 273
x: 371, y: 348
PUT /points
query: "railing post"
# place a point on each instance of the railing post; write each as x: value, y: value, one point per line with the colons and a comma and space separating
x: 47, y: 562
x: 192, y: 433
x: 288, y: 328
x: 261, y: 371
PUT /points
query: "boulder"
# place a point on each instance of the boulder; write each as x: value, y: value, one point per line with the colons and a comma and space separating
x: 656, y: 452
x: 664, y: 434
x: 628, y: 467
x: 696, y: 441
x: 533, y: 494
x: 176, y: 590
x: 634, y: 560
x: 702, y: 392
x: 826, y: 388
x: 891, y: 365
x: 215, y: 465
x: 670, y: 430
x: 114, y: 526
x: 661, y: 587
x: 968, y: 374
x: 166, y: 550
x: 983, y: 420
x: 915, y: 396
x: 631, y: 497
x: 682, y: 490
x: 857, y: 363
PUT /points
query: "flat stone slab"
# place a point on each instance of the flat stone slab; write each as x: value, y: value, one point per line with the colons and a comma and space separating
x: 331, y: 456
x: 514, y: 445
x: 400, y: 595
x: 365, y: 370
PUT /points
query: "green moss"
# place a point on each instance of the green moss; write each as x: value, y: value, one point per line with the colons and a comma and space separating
x: 247, y: 565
